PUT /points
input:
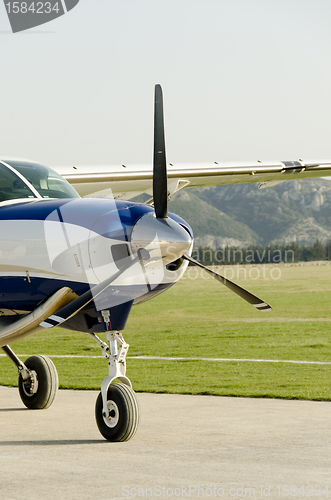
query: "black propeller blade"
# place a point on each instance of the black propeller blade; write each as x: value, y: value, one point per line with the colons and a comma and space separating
x: 160, y: 189
x: 244, y: 294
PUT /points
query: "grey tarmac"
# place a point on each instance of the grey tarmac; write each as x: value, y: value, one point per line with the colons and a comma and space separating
x: 186, y: 447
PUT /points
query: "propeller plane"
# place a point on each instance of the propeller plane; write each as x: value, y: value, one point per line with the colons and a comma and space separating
x: 82, y: 262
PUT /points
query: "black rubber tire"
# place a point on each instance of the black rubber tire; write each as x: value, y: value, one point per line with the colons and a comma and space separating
x: 48, y: 383
x: 128, y: 413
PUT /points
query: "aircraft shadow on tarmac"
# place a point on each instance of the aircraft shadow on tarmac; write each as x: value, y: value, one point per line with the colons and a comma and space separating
x: 13, y: 409
x: 54, y: 442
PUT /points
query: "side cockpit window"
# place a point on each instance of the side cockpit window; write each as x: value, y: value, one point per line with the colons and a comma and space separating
x: 12, y: 187
x: 47, y: 182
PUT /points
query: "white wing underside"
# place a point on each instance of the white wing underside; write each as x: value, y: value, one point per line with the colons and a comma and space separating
x: 128, y: 181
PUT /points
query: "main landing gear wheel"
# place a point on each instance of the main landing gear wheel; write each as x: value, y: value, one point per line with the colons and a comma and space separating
x: 39, y: 390
x: 122, y: 420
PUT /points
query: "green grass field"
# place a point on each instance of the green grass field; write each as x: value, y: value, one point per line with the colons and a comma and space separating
x: 200, y: 318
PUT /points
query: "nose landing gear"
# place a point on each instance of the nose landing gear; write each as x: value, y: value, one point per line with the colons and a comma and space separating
x: 117, y: 409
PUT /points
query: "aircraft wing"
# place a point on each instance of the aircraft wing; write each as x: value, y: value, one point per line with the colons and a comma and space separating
x: 128, y: 181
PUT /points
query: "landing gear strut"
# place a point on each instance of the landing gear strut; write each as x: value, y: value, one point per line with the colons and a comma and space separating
x: 37, y: 381
x: 117, y: 410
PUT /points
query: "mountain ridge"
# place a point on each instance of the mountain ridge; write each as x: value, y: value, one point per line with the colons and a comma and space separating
x: 239, y: 215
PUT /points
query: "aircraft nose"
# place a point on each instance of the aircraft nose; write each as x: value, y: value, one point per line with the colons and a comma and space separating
x: 163, y: 238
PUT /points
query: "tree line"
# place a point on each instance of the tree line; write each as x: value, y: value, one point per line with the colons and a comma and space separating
x: 259, y: 254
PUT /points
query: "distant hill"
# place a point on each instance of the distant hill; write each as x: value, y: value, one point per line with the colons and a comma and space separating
x: 294, y: 211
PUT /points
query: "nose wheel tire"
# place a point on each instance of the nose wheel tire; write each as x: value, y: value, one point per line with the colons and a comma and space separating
x: 123, y: 417
x: 39, y: 390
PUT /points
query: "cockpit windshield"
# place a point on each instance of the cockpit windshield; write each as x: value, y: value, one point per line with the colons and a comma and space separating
x: 46, y: 181
x: 12, y: 187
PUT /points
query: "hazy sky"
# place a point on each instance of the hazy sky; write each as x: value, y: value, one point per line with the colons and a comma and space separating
x: 242, y: 79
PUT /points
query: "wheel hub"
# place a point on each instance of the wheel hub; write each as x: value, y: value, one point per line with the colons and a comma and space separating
x: 30, y: 386
x: 113, y: 414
